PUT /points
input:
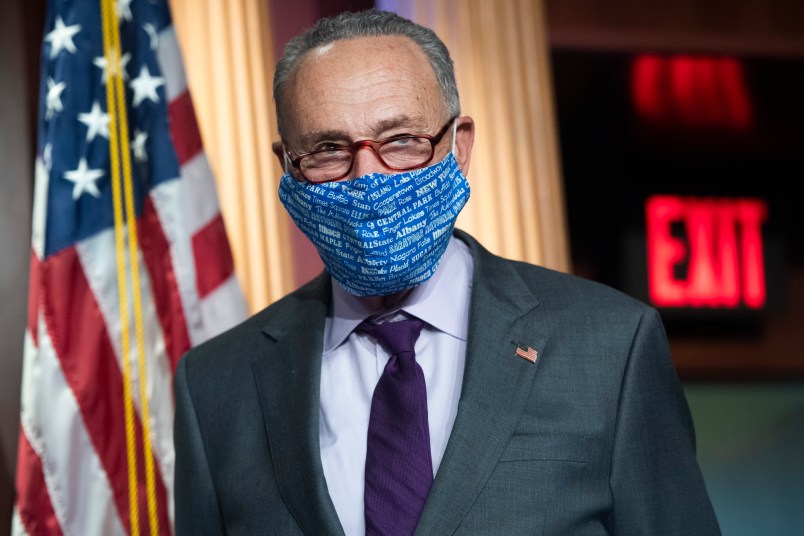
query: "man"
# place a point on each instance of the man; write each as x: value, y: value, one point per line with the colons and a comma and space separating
x: 522, y: 401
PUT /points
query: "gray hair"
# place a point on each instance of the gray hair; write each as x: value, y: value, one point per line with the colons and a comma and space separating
x: 369, y: 23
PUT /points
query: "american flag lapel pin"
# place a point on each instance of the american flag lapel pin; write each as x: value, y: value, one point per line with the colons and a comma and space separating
x: 530, y: 354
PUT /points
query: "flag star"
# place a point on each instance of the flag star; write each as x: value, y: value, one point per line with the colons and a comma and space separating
x: 123, y: 9
x: 150, y: 29
x: 138, y: 145
x: 96, y: 121
x: 145, y: 85
x: 62, y: 37
x: 84, y: 179
x: 53, y: 99
x: 118, y: 66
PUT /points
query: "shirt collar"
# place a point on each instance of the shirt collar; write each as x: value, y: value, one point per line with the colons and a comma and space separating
x: 442, y: 301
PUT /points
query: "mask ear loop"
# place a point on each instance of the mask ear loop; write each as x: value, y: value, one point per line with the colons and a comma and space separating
x: 454, y: 132
x: 287, y: 161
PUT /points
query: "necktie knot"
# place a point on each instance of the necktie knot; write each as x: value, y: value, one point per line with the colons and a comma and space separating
x: 395, y: 337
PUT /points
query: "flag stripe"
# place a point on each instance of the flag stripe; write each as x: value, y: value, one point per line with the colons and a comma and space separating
x: 184, y: 128
x: 196, y: 199
x: 39, y: 209
x: 169, y: 55
x: 33, y: 501
x: 98, y: 264
x: 217, y: 261
x: 76, y: 328
x: 220, y: 306
x: 169, y: 199
x: 165, y: 291
x: 17, y: 528
x: 54, y: 428
x: 184, y: 207
x: 34, y: 286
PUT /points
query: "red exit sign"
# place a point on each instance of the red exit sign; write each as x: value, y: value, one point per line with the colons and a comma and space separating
x: 706, y: 252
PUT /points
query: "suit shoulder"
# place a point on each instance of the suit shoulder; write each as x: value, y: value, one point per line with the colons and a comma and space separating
x: 555, y: 289
x: 599, y: 323
x: 240, y: 344
x: 566, y: 290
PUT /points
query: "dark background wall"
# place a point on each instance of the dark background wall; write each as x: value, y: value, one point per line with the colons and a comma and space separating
x: 19, y: 36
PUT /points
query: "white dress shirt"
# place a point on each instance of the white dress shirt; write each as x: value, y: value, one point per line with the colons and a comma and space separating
x: 352, y: 364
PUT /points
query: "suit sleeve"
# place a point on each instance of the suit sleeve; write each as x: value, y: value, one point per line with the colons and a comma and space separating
x: 197, y: 511
x: 656, y: 484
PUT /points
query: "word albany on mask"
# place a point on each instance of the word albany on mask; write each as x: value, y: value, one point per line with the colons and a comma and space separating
x: 380, y: 234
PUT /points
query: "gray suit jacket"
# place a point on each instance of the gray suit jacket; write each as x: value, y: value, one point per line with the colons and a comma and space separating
x: 594, y: 438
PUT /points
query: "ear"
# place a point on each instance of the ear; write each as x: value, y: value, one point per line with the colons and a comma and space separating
x: 464, y: 138
x: 280, y: 154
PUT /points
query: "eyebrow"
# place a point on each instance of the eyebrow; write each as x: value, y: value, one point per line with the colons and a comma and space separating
x: 311, y: 138
x: 415, y: 124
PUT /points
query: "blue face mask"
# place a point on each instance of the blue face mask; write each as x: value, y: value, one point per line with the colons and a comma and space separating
x: 380, y: 234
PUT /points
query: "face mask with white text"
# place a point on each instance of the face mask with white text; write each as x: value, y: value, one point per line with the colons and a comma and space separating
x: 380, y: 234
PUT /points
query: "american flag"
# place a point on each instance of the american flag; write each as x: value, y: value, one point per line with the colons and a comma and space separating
x: 113, y: 306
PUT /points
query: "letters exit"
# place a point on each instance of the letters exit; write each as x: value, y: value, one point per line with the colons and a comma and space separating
x: 705, y: 252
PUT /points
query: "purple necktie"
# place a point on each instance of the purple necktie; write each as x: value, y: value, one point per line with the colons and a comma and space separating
x: 399, y: 469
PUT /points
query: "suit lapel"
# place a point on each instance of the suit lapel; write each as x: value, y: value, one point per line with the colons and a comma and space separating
x: 288, y: 386
x: 495, y: 388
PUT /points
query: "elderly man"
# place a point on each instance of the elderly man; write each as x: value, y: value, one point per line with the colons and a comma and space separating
x: 421, y: 383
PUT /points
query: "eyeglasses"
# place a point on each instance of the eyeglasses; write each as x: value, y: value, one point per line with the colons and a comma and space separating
x: 399, y: 153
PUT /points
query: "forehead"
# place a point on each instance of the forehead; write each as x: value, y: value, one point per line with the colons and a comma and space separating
x: 354, y: 84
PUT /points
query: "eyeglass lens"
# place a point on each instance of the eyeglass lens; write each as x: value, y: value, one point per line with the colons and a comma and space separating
x: 402, y: 153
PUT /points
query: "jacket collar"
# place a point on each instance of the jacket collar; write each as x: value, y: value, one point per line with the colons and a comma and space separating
x: 288, y: 389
